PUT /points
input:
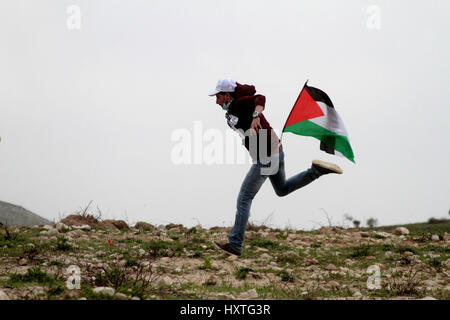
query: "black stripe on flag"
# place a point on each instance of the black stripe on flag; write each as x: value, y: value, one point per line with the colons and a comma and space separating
x: 319, y: 95
x: 328, y: 145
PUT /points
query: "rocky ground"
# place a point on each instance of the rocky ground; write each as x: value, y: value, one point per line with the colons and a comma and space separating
x: 82, y: 257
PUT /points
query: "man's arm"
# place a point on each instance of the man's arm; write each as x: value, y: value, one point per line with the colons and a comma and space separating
x: 260, y: 102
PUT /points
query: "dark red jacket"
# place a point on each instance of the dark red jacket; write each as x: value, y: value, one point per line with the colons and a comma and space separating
x: 240, y: 117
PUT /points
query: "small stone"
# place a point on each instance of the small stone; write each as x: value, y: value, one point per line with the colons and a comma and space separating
x: 357, y: 294
x: 265, y: 256
x: 38, y: 291
x: 170, y: 253
x: 23, y: 262
x: 330, y: 267
x: 334, y: 284
x: 435, y: 237
x: 250, y: 294
x: 3, y: 295
x: 100, y: 253
x: 401, y: 231
x: 225, y: 296
x: 47, y: 227
x: 158, y: 283
x: 428, y: 298
x: 61, y: 227
x: 199, y: 227
x: 84, y: 298
x: 104, y: 290
x: 141, y: 252
x: 121, y: 296
x: 135, y: 298
x: 53, y: 232
x: 232, y: 258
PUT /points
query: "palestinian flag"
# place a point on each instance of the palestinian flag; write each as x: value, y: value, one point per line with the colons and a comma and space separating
x: 314, y: 115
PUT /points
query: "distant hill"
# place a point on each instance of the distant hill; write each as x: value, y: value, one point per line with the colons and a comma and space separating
x: 14, y: 215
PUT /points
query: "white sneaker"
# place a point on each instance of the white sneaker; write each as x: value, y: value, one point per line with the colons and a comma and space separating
x: 326, y: 167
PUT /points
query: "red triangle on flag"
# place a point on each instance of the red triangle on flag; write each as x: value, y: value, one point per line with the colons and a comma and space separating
x: 304, y: 108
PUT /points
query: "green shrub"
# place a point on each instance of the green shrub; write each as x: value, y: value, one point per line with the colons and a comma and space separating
x: 33, y: 275
x: 242, y: 272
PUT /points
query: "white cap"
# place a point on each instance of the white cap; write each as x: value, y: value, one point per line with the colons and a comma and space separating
x: 224, y: 86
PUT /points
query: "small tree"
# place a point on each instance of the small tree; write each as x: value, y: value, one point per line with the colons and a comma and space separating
x: 356, y: 223
x: 372, y: 222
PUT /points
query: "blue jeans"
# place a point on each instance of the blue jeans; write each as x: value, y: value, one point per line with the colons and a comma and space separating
x: 252, y: 183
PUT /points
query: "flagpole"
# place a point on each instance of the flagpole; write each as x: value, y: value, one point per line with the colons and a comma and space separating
x: 282, y: 131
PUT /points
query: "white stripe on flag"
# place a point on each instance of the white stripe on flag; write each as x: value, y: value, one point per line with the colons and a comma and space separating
x: 330, y: 120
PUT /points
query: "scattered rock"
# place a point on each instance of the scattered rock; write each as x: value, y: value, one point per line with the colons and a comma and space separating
x: 435, y: 237
x: 330, y: 267
x: 144, y: 225
x: 310, y: 261
x: 80, y: 220
x: 37, y: 291
x: 159, y: 282
x: 121, y: 296
x: 334, y: 284
x: 447, y: 263
x: 135, y: 298
x: 3, y: 295
x: 61, y: 227
x: 428, y: 298
x: 357, y: 294
x: 84, y: 227
x: 225, y: 296
x: 119, y: 224
x: 250, y: 294
x: 23, y: 262
x: 104, y: 290
x: 47, y: 227
x: 53, y: 232
x: 265, y: 256
x: 75, y: 233
x: 401, y: 231
x: 100, y: 253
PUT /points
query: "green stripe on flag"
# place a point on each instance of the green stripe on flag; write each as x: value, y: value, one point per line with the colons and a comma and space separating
x: 310, y: 129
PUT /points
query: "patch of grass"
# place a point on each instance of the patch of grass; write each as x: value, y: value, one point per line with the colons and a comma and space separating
x: 130, y: 260
x: 316, y: 244
x: 268, y: 244
x: 418, y: 229
x: 33, y: 275
x: 242, y: 272
x: 435, y: 263
x: 377, y: 236
x: 62, y: 244
x: 206, y: 264
x: 282, y: 235
x: 285, y: 276
x: 289, y: 258
x: 160, y: 248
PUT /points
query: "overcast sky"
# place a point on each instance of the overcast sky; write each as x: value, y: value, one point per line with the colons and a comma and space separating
x: 89, y: 113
